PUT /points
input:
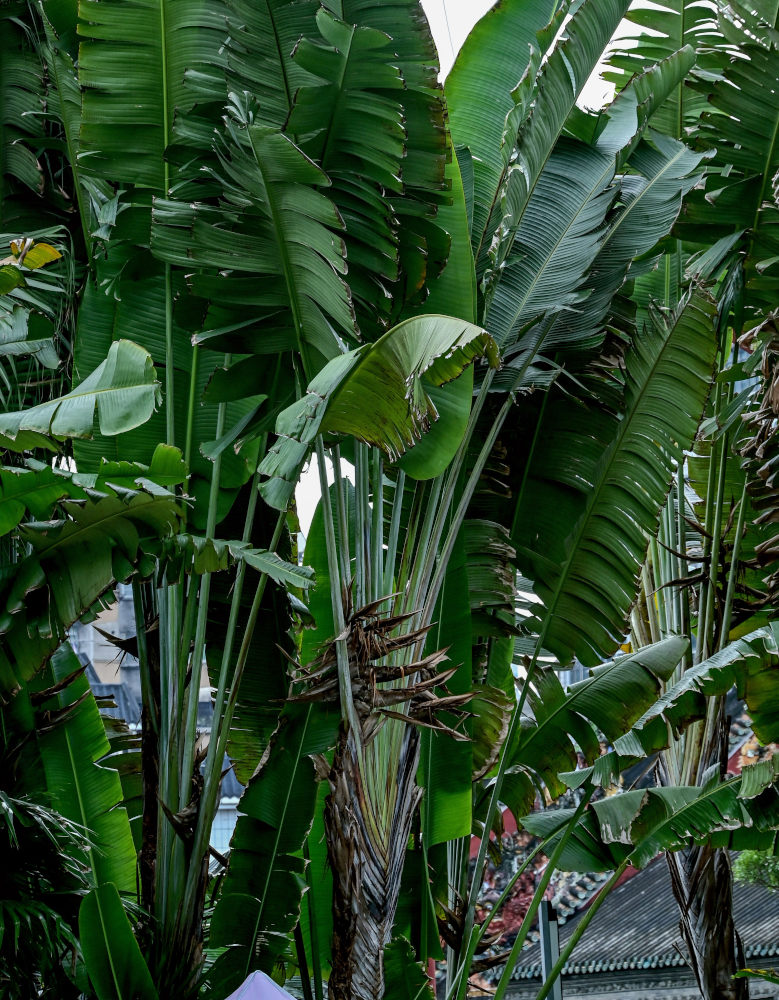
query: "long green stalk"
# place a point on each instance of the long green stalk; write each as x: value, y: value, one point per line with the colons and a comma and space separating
x: 581, y: 927
x: 213, y: 764
x: 394, y: 532
x: 203, y: 827
x: 348, y: 712
x: 733, y: 572
x: 192, y: 693
x: 377, y: 527
x: 341, y: 513
x: 492, y: 805
x: 538, y: 895
x: 479, y: 932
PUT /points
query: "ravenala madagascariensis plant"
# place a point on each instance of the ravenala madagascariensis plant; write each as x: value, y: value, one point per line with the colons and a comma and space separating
x: 289, y: 240
x: 713, y: 565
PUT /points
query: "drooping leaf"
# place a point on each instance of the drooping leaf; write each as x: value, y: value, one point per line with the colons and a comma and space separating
x: 123, y: 389
x: 375, y: 393
x: 596, y: 490
x: 210, y: 555
x: 751, y: 665
x: 562, y: 724
x: 738, y: 813
x: 73, y: 561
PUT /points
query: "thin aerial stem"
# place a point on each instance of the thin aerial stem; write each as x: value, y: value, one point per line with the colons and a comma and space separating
x: 191, y: 406
x: 538, y: 895
x: 192, y: 692
x: 217, y: 747
x: 362, y: 525
x: 681, y: 543
x: 426, y: 544
x: 394, y: 532
x: 432, y: 588
x: 452, y: 476
x: 581, y: 927
x: 733, y: 572
x: 377, y: 527
x: 348, y: 712
x: 212, y: 764
x: 492, y: 806
x: 342, y: 514
x: 143, y: 648
x: 410, y: 541
x: 170, y: 370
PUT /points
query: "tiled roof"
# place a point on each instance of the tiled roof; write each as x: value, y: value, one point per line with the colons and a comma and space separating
x: 115, y: 699
x: 637, y: 928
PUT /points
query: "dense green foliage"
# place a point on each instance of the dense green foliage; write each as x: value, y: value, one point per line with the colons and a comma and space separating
x: 257, y: 232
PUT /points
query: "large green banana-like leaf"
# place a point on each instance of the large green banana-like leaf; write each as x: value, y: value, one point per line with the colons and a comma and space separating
x: 672, y: 24
x: 73, y: 562
x: 79, y: 787
x: 210, y: 555
x: 446, y: 767
x: 563, y: 724
x: 21, y: 106
x: 259, y: 903
x: 352, y: 121
x: 64, y: 96
x: 141, y: 312
x: 750, y: 664
x: 405, y: 976
x: 18, y: 339
x: 452, y: 292
x: 595, y: 489
x: 478, y: 92
x: 743, y: 127
x: 424, y: 245
x: 276, y: 225
x: 738, y: 813
x: 126, y: 130
x: 544, y: 103
x: 262, y: 40
x: 264, y: 684
x: 111, y: 954
x: 558, y: 240
x: 36, y: 488
x: 662, y: 171
x: 123, y: 389
x: 375, y: 393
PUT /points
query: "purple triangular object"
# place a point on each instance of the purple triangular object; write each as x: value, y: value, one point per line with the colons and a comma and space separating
x: 260, y: 987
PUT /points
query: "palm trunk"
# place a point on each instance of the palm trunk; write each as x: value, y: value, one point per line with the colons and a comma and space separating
x: 367, y: 863
x: 702, y: 884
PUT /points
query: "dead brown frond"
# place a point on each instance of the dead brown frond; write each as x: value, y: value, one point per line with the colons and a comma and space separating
x: 382, y: 678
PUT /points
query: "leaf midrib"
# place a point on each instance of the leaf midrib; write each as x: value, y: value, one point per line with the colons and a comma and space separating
x: 594, y: 191
x: 625, y: 426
